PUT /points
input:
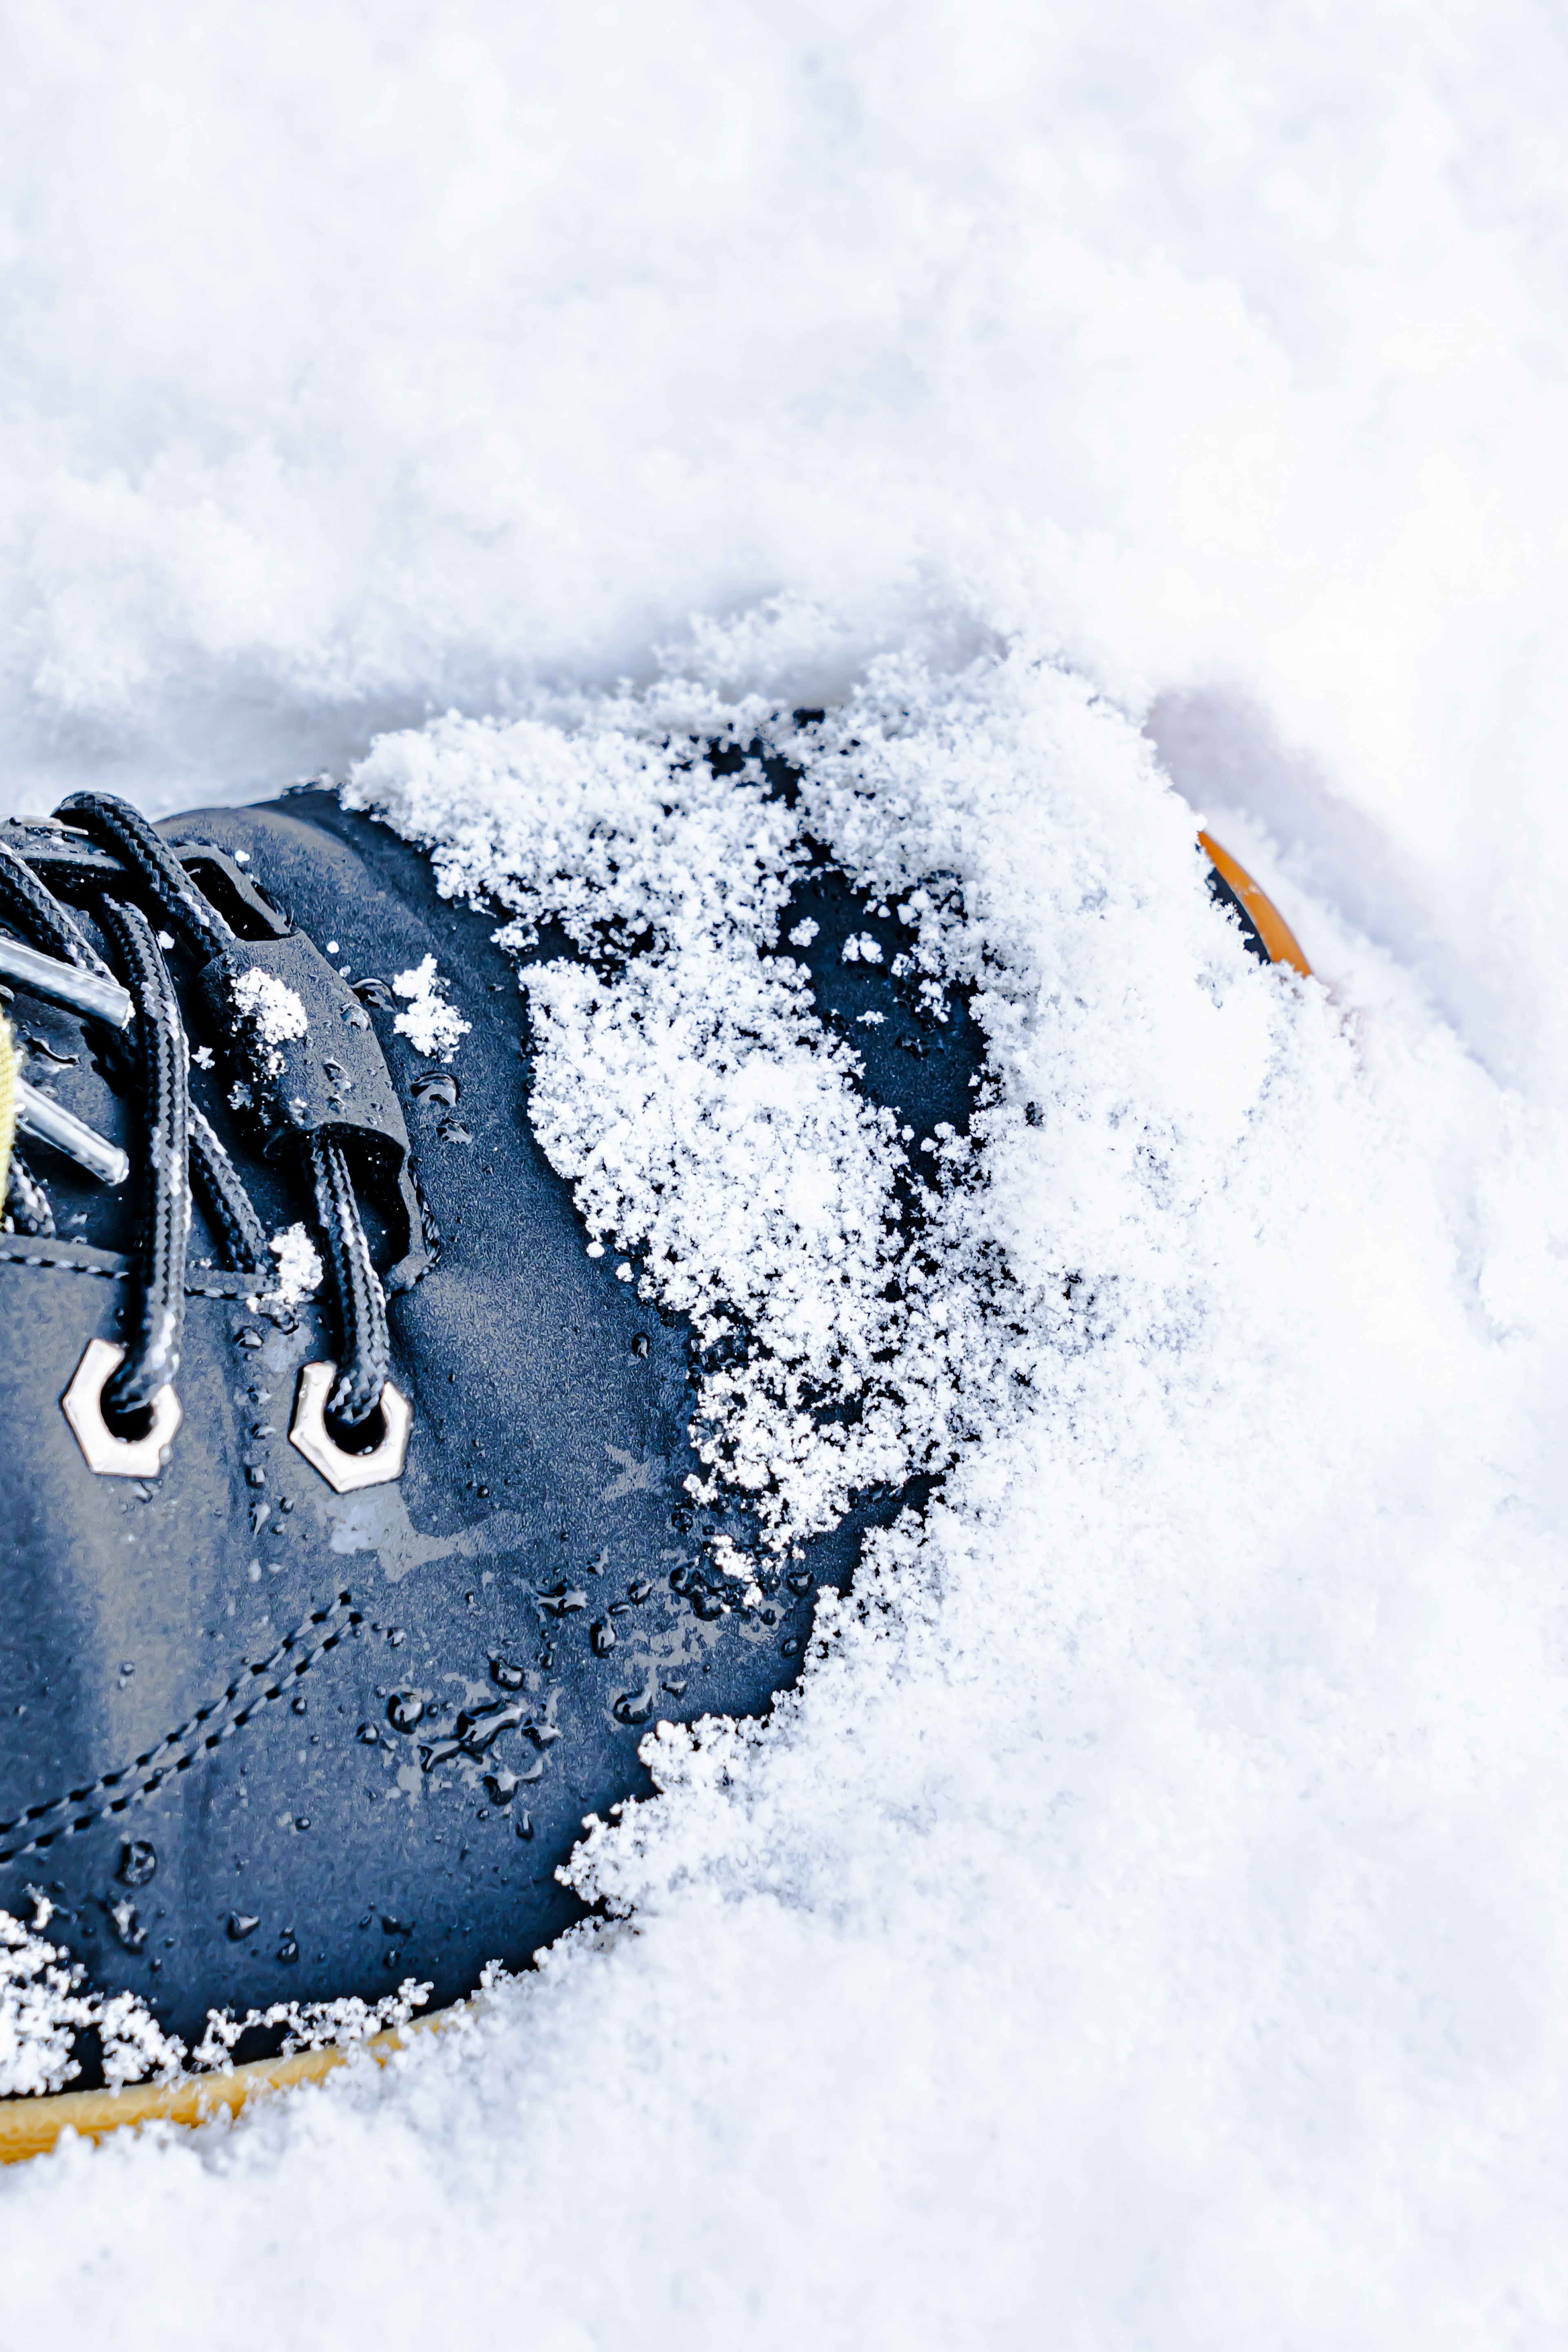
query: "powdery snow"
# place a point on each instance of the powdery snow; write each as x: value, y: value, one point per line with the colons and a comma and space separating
x: 273, y: 1012
x: 709, y: 1121
x: 45, y: 1998
x: 430, y: 1024
x: 272, y: 1007
x: 300, y: 1269
x: 1146, y: 1926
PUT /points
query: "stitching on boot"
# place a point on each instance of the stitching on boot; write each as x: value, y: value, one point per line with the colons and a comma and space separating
x: 190, y: 1741
x: 61, y: 1258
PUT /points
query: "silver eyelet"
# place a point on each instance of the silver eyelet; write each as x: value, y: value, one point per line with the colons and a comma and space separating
x: 109, y: 1456
x: 344, y: 1472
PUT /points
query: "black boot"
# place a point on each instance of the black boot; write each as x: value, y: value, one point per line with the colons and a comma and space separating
x: 333, y: 1607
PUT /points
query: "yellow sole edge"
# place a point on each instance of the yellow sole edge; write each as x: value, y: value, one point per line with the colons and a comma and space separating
x: 31, y: 2127
x: 1281, y: 941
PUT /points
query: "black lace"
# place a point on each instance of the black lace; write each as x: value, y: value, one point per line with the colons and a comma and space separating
x: 178, y: 1146
x: 152, y: 1345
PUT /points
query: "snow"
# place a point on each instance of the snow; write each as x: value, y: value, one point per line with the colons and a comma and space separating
x: 706, y: 1116
x: 1147, y: 1925
x: 270, y: 1005
x: 300, y: 1269
x: 430, y: 1024
x: 272, y: 1009
x: 42, y: 2000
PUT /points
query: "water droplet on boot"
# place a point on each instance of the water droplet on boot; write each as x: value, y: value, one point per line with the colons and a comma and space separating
x: 639, y: 1344
x: 404, y: 1710
x: 508, y: 1676
x: 479, y: 1727
x: 434, y: 1085
x: 634, y: 1706
x: 240, y: 1925
x: 603, y: 1638
x: 523, y: 1824
x: 289, y: 1950
x: 300, y: 1704
x: 138, y: 1862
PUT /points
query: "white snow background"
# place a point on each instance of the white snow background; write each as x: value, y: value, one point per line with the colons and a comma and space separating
x: 1148, y: 1925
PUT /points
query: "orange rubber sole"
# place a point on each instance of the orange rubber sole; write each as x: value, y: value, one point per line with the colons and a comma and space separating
x: 1281, y: 941
x: 31, y: 2127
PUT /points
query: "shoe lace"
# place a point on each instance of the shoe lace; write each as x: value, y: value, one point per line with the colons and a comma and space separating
x: 177, y: 1145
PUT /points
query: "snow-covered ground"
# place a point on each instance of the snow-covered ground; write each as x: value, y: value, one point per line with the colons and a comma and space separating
x: 1148, y: 1926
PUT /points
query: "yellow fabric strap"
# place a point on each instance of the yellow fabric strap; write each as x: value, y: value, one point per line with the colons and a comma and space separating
x: 9, y: 1063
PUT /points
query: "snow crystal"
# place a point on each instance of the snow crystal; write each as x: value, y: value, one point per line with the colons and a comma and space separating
x: 430, y: 1024
x: 43, y: 2005
x: 270, y: 1006
x: 39, y: 2007
x: 273, y: 1013
x: 308, y: 2025
x: 300, y: 1269
x: 708, y: 1122
x: 134, y: 2045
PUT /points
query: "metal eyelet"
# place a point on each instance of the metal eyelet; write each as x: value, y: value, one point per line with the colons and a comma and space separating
x: 345, y: 1472
x: 109, y: 1456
